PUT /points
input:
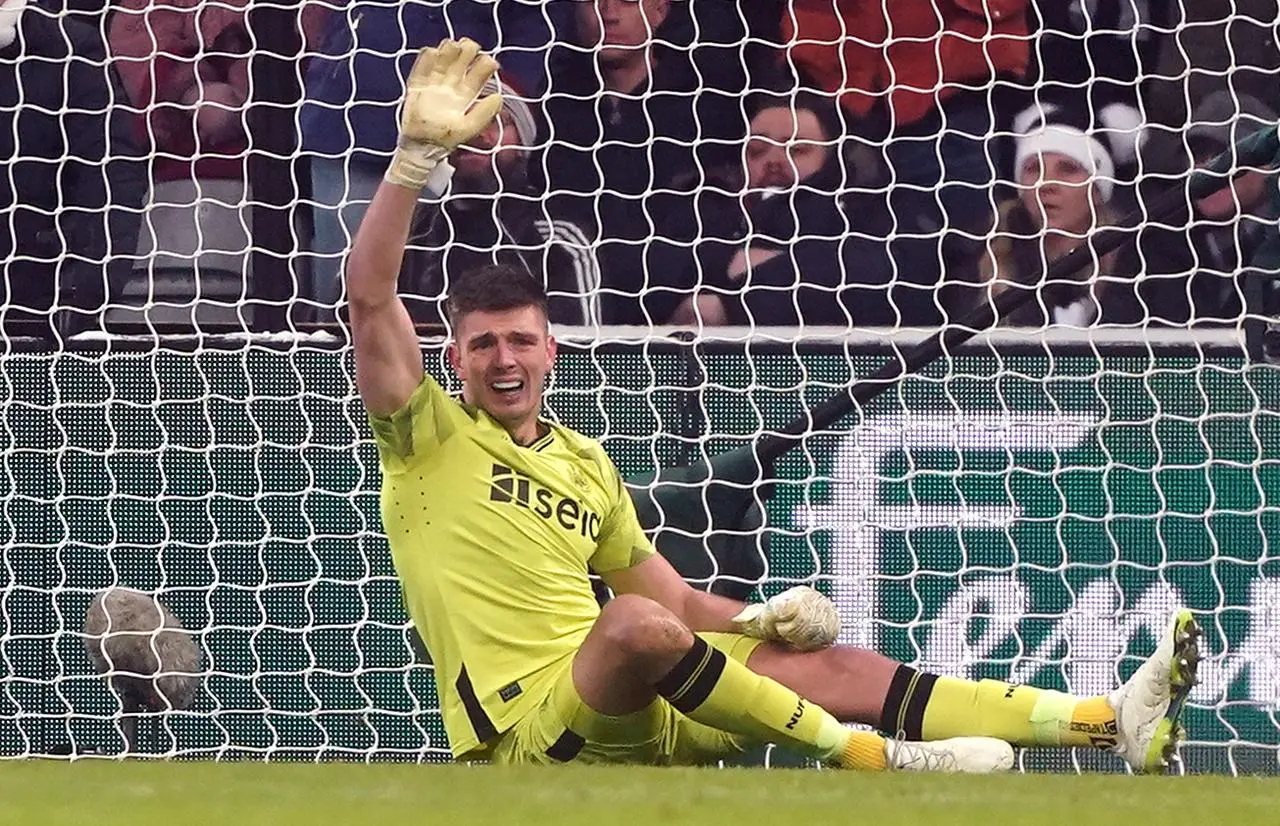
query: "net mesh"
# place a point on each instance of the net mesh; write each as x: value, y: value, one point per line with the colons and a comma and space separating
x: 179, y: 413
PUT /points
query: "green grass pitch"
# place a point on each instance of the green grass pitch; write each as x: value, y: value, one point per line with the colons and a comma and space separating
x: 105, y: 793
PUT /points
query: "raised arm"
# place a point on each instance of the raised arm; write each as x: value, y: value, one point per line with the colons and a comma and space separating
x: 438, y: 115
x: 388, y: 362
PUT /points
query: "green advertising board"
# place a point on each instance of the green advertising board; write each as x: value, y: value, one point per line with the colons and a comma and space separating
x: 1027, y: 515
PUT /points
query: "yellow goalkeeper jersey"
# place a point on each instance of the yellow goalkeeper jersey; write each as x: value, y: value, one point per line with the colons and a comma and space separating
x: 492, y: 543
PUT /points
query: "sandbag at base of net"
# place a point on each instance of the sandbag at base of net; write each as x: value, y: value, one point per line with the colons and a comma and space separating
x: 150, y: 660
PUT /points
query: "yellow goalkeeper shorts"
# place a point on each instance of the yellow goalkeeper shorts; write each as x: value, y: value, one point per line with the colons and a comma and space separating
x: 563, y: 728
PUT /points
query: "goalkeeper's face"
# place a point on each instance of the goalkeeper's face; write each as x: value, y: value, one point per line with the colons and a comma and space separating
x: 503, y: 359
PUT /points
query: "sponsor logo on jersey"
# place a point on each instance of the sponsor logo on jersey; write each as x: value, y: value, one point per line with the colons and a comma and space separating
x: 508, y: 485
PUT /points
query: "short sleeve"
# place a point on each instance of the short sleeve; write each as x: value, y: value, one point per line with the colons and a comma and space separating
x: 413, y: 432
x: 622, y: 541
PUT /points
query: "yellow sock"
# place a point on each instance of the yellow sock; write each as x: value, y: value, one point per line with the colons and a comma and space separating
x: 865, y: 750
x: 925, y: 707
x: 1094, y: 720
x: 713, y: 689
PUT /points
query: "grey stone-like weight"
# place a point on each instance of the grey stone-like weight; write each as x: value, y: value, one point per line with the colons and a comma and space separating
x: 150, y: 659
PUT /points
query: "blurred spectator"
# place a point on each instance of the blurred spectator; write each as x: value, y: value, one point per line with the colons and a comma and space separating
x: 74, y: 187
x: 768, y: 252
x: 92, y: 12
x: 1107, y: 44
x: 492, y: 215
x: 1101, y: 49
x: 353, y: 89
x: 1067, y: 161
x: 634, y: 130
x: 1193, y: 274
x: 185, y: 67
x: 919, y: 75
x: 1214, y: 46
x: 733, y: 47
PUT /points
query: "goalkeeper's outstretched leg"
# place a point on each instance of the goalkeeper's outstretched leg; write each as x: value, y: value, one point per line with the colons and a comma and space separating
x: 1138, y: 721
x: 644, y: 688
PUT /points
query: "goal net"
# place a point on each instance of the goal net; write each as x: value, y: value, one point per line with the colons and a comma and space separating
x: 1028, y: 507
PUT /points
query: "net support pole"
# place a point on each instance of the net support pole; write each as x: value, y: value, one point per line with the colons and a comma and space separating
x: 272, y: 178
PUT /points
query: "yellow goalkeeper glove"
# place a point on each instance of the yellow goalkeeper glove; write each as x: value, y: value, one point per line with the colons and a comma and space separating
x: 800, y: 617
x: 440, y: 108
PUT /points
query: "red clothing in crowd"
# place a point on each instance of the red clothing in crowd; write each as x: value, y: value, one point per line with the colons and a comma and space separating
x: 174, y: 55
x: 917, y: 52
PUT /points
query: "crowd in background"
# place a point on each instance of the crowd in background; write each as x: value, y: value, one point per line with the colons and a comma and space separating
x: 814, y: 162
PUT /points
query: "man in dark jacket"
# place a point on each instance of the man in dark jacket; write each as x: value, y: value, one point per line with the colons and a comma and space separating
x: 1196, y: 267
x: 73, y: 187
x: 493, y: 215
x: 634, y: 129
x: 790, y: 244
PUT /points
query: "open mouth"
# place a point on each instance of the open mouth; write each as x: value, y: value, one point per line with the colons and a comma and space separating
x: 510, y: 387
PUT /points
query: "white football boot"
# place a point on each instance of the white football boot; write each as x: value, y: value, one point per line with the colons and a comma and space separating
x: 969, y: 755
x: 1147, y: 707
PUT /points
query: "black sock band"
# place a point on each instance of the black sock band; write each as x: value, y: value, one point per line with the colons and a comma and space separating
x: 904, y: 705
x: 690, y: 681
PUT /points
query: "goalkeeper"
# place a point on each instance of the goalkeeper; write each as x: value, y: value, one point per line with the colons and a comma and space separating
x: 495, y: 517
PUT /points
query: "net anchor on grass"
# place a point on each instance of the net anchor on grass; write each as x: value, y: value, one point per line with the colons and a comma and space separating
x: 150, y: 661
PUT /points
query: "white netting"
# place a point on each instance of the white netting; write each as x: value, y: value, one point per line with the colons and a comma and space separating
x: 180, y: 416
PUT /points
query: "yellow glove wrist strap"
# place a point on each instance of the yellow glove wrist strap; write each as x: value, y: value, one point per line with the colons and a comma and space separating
x: 413, y: 163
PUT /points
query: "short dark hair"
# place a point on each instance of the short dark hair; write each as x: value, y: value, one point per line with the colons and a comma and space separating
x: 493, y: 288
x: 825, y: 107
